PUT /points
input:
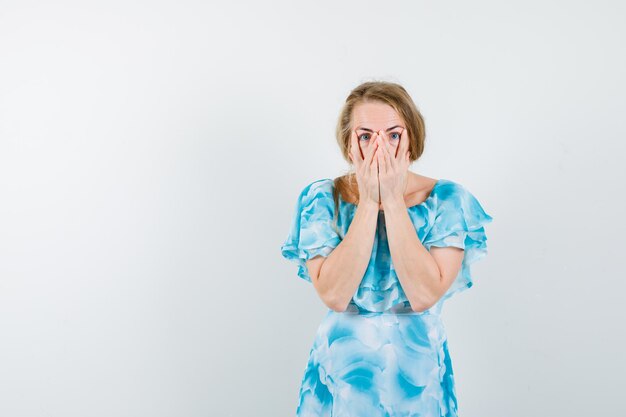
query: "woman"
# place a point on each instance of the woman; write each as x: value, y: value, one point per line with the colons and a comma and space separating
x: 383, y: 248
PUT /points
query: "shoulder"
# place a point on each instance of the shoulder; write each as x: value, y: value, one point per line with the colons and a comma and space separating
x: 451, y: 192
x: 317, y: 196
x: 448, y: 189
x: 455, y: 198
x: 318, y: 188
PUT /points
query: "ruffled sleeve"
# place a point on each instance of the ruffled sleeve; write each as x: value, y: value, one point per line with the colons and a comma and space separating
x: 459, y: 222
x: 311, y: 232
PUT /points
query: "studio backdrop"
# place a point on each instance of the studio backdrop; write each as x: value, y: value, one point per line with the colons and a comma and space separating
x: 152, y: 153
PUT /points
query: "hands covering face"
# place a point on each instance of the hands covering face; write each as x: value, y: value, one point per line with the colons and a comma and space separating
x: 382, y: 173
x: 393, y: 167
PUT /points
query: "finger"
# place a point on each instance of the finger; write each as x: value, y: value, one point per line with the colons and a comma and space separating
x: 394, y: 151
x: 371, y: 149
x: 404, y: 141
x: 382, y: 166
x: 357, y: 153
x: 351, y: 147
x: 355, y: 150
x: 374, y: 166
x: 389, y: 160
x: 403, y: 162
x: 400, y: 145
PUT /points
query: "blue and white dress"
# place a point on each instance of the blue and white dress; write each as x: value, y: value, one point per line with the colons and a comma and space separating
x: 379, y: 357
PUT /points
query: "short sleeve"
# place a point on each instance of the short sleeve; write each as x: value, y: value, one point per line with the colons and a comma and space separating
x: 311, y: 231
x: 459, y: 222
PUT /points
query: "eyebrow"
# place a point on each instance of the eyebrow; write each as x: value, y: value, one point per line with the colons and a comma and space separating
x: 370, y: 130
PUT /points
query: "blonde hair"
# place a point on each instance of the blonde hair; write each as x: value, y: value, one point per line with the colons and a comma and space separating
x: 399, y: 99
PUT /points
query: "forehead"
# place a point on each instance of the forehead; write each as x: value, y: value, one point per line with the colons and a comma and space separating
x: 375, y: 115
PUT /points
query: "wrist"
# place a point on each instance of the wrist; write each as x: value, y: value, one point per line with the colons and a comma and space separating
x: 368, y: 205
x: 394, y: 202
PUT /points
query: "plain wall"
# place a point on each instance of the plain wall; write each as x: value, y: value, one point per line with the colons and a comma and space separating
x: 151, y: 154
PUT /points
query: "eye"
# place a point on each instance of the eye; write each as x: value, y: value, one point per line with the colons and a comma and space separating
x: 396, y: 137
x: 364, y: 134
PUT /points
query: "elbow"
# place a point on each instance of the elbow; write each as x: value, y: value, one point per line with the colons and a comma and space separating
x: 338, y: 306
x: 330, y: 299
x: 421, y: 306
x: 420, y: 309
x: 425, y: 301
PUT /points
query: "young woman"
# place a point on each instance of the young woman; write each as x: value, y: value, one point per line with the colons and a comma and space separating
x: 383, y: 248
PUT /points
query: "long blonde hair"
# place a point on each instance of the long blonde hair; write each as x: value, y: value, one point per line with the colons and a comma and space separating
x: 386, y: 92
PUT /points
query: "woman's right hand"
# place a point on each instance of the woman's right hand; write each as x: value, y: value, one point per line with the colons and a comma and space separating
x: 366, y: 168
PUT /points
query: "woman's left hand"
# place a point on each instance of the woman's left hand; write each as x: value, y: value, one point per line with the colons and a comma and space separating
x: 393, y: 167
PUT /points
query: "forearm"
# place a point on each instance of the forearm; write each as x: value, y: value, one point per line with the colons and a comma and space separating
x: 344, y: 268
x: 417, y: 271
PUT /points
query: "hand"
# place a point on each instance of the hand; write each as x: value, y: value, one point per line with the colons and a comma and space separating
x: 393, y: 168
x: 366, y: 169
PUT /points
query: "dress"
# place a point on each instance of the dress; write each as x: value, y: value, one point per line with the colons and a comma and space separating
x: 380, y: 358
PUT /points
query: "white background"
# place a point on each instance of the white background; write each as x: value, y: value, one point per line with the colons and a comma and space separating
x: 151, y: 154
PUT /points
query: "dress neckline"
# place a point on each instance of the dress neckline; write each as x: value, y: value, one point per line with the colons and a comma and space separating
x: 430, y: 196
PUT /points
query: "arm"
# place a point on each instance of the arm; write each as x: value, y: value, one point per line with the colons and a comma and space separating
x: 337, y: 277
x: 424, y: 276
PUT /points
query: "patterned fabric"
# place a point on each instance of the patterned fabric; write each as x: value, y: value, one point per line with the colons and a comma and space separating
x: 379, y: 357
x: 378, y: 365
